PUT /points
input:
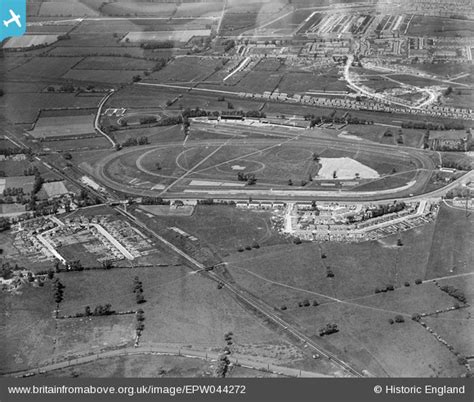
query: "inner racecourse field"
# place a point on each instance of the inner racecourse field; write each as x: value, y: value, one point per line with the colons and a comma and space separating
x: 293, y: 166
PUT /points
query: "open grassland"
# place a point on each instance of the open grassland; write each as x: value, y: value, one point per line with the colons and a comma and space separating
x: 19, y: 111
x: 370, y: 342
x: 63, y: 126
x: 139, y: 366
x: 185, y: 69
x: 306, y: 82
x: 358, y: 268
x: 71, y: 8
x: 425, y: 25
x: 75, y: 145
x: 78, y: 336
x: 196, y: 312
x: 225, y: 227
x: 102, y: 76
x: 131, y: 8
x: 45, y: 67
x: 97, y: 52
x: 114, y: 63
x: 28, y: 327
x: 30, y: 40
x: 451, y: 251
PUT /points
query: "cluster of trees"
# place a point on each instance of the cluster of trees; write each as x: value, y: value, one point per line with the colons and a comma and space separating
x: 58, y: 291
x: 97, y: 312
x: 228, y: 45
x: 388, y: 288
x: 170, y: 120
x: 167, y: 44
x: 38, y: 182
x: 198, y: 112
x: 148, y: 120
x: 75, y: 265
x: 15, y: 151
x: 328, y: 330
x: 329, y: 272
x: 154, y: 201
x: 454, y: 292
x: 333, y: 118
x: 248, y: 247
x: 384, y: 209
x: 248, y: 177
x: 4, y: 224
x: 30, y: 171
x: 6, y: 271
x: 138, y: 290
x: 131, y: 142
x: 139, y: 326
x: 398, y: 319
x: 307, y: 303
x: 13, y: 191
x: 458, y: 192
x: 424, y: 125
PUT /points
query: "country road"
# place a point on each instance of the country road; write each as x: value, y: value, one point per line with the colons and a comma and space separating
x: 168, y: 350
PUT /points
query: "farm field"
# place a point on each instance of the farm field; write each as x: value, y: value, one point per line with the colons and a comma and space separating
x: 451, y: 251
x: 102, y: 76
x: 307, y: 82
x: 114, y: 63
x: 303, y: 271
x: 99, y: 51
x: 225, y: 228
x: 75, y: 145
x: 63, y: 126
x: 45, y: 67
x: 185, y: 69
x: 28, y: 331
x: 423, y: 25
x: 70, y: 9
x: 30, y: 40
x: 139, y: 366
x: 367, y: 339
x: 175, y: 35
x: 130, y: 8
x: 22, y: 112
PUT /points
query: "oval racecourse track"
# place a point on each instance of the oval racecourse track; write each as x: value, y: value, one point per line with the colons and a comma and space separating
x: 423, y: 170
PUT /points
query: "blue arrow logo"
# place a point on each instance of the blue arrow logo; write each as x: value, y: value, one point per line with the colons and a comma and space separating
x: 12, y: 17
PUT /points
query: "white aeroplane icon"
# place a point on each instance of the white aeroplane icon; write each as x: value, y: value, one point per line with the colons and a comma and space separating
x: 15, y: 18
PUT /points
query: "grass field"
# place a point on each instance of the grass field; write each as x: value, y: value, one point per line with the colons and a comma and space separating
x: 304, y: 82
x: 422, y: 25
x: 46, y: 67
x: 47, y: 127
x: 367, y: 339
x: 225, y: 228
x: 100, y: 51
x: 185, y: 69
x: 358, y: 268
x: 139, y: 366
x: 92, y: 334
x: 30, y: 40
x: 76, y: 145
x: 452, y: 251
x: 178, y: 35
x: 21, y: 112
x: 105, y: 76
x: 27, y: 329
x: 69, y: 9
x: 114, y: 63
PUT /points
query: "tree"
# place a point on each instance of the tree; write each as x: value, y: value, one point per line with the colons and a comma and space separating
x: 399, y: 318
x: 87, y: 311
x: 290, y: 182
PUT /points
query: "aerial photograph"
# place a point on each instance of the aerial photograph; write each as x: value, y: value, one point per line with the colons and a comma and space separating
x: 237, y: 189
